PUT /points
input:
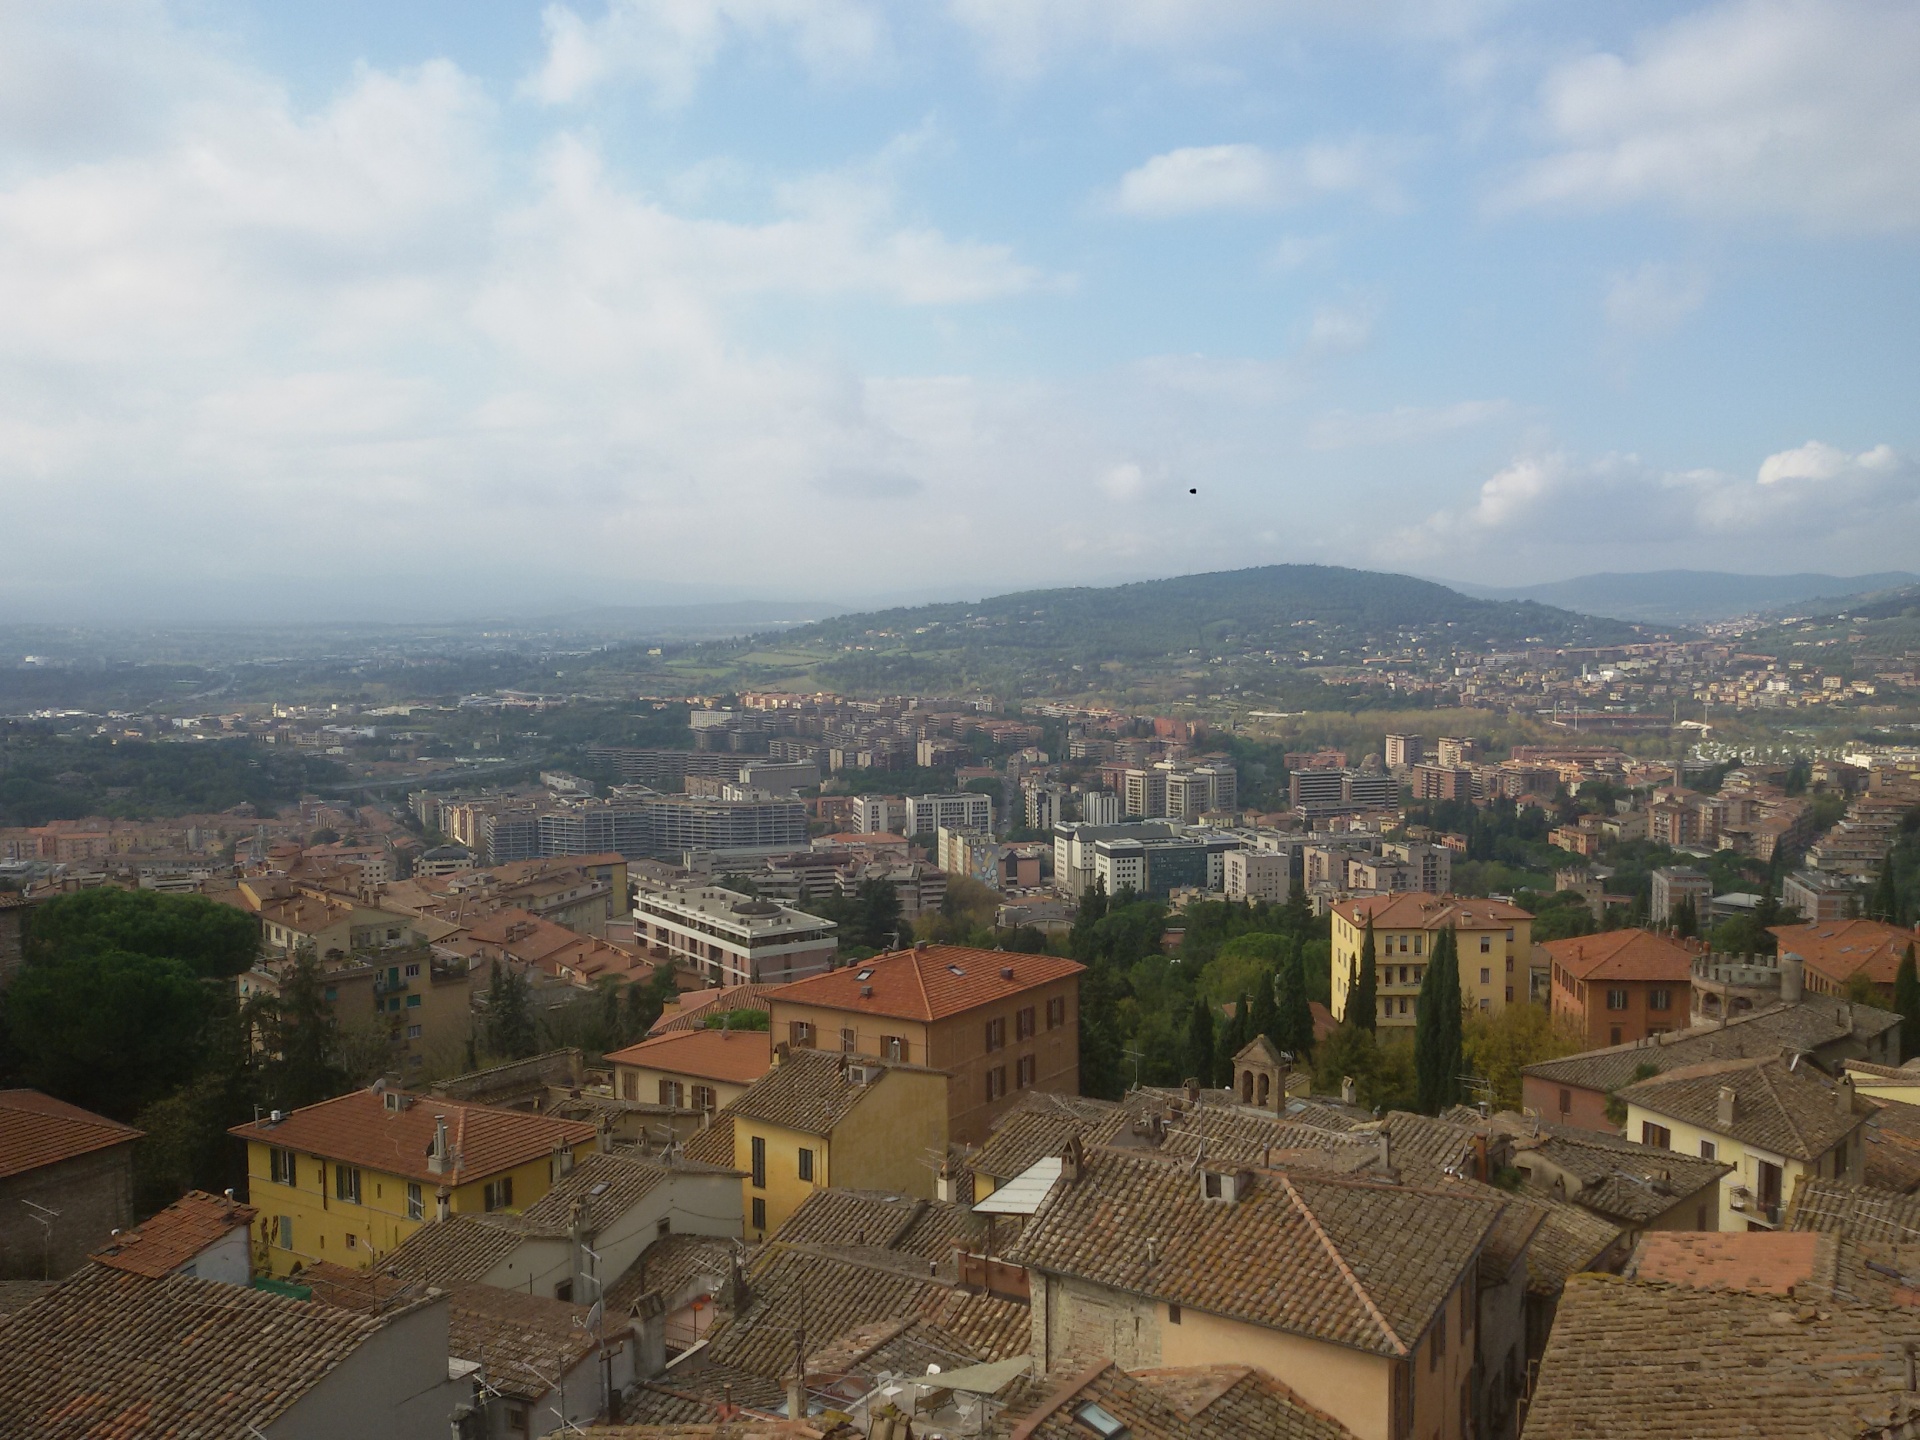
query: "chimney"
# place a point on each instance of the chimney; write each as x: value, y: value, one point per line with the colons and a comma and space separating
x: 780, y: 1052
x: 1793, y: 976
x: 442, y: 1204
x: 1725, y: 1113
x: 1384, y: 1144
x: 1843, y: 1096
x: 437, y: 1149
x: 1071, y: 1155
x: 1349, y: 1092
x: 1006, y: 972
x: 796, y: 1400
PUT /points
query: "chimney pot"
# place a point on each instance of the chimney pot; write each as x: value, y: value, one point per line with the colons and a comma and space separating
x: 1728, y: 1100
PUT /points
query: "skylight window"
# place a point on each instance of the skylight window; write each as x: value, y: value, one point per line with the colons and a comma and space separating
x: 599, y: 1187
x: 956, y: 969
x: 864, y: 975
x: 1099, y: 1421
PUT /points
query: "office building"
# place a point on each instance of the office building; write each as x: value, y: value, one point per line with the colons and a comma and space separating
x: 1256, y: 875
x: 927, y: 814
x: 1100, y: 807
x: 1404, y: 751
x: 730, y: 938
x: 880, y: 815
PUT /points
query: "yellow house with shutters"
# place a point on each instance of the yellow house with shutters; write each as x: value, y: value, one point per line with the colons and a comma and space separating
x: 1495, y: 941
x: 350, y: 1178
x: 820, y: 1118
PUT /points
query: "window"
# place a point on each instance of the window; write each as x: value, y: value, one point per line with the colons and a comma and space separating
x: 283, y: 1232
x: 759, y: 1162
x: 1056, y: 1012
x: 1438, y: 1349
x: 1023, y: 1026
x: 517, y: 1419
x: 413, y: 1002
x: 1173, y: 1314
x: 1840, y: 1160
x: 1658, y: 1136
x: 1616, y: 999
x: 1486, y: 975
x: 499, y: 1193
x: 806, y: 1164
x: 800, y: 1034
x: 1709, y: 1151
x: 629, y: 1085
x: 1769, y: 1177
x: 848, y: 1041
x: 416, y: 1205
x: 1027, y: 1071
x: 284, y: 1168
x: 1509, y: 964
x: 1099, y: 1421
x: 893, y: 1047
x: 393, y: 1006
x: 703, y: 1097
x: 1659, y: 999
x: 346, y: 1184
x: 333, y: 992
x: 670, y: 1093
x: 353, y: 1241
x: 996, y: 1082
x: 759, y: 1213
x: 413, y: 971
x: 1419, y: 945
x: 997, y: 1034
x: 414, y: 1032
x: 1486, y: 944
x: 1613, y: 1035
x: 1566, y: 1102
x: 1509, y: 994
x: 563, y: 1290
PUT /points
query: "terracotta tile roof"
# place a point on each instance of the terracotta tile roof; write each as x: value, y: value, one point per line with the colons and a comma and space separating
x: 360, y: 1129
x: 18, y: 1294
x: 1630, y: 1359
x: 1817, y: 1022
x: 737, y: 1057
x: 37, y: 1130
x: 876, y: 1220
x: 461, y: 1247
x: 111, y: 1354
x: 1892, y: 1138
x: 699, y: 1394
x: 713, y: 1145
x: 1034, y: 1129
x: 812, y: 1091
x: 1420, y: 910
x: 511, y: 1334
x: 1174, y: 1404
x: 1618, y: 1179
x: 834, y: 1294
x: 169, y: 1239
x: 1839, y: 949
x: 1352, y: 1262
x: 1785, y: 1110
x: 1857, y: 1210
x: 692, y: 1007
x: 369, y: 1291
x: 1759, y: 1261
x: 674, y: 1263
x: 930, y: 984
x: 1623, y: 955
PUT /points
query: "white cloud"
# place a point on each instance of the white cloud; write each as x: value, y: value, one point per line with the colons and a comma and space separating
x: 1805, y: 110
x: 1346, y: 431
x: 1249, y: 177
x: 1654, y: 298
x: 1810, y: 507
x: 667, y: 45
x: 1337, y: 329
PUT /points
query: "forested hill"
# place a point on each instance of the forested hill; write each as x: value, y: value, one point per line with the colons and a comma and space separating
x: 1295, y: 615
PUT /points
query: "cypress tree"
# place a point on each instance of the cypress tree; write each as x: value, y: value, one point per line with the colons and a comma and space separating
x: 1296, y: 1017
x: 1437, y: 1056
x: 1363, y: 996
x: 1906, y: 1000
x: 1265, y: 1019
x: 1686, y: 919
x: 1239, y: 1029
x: 1200, y: 1041
x: 1886, y: 899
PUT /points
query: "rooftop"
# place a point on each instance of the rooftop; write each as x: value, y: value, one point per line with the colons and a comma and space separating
x: 728, y: 911
x: 1860, y: 1210
x: 735, y: 1057
x: 928, y: 984
x: 109, y: 1353
x: 1770, y: 1262
x: 363, y: 1128
x: 1776, y: 1107
x: 1839, y: 949
x: 1623, y: 1181
x: 169, y: 1239
x: 814, y: 1090
x: 1197, y: 1403
x: 37, y: 1130
x: 1623, y: 955
x: 1421, y: 910
x: 514, y: 1334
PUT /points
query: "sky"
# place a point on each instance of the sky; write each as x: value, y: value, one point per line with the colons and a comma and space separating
x: 444, y: 306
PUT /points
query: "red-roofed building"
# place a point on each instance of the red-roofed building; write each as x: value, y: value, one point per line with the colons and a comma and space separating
x: 204, y: 1236
x: 1837, y: 950
x: 350, y: 1178
x: 1621, y: 985
x: 998, y: 1022
x: 695, y: 1069
x: 66, y: 1184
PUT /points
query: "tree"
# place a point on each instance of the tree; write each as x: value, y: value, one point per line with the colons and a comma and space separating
x: 1497, y: 1046
x: 1437, y: 1029
x: 509, y: 1028
x: 302, y: 1040
x: 1101, y: 1041
x: 1885, y: 904
x: 646, y: 1001
x: 1238, y: 1027
x: 108, y: 1029
x: 1295, y: 1017
x: 1199, y: 1052
x: 1686, y: 918
x: 1906, y: 1000
x: 1265, y: 1019
x: 213, y: 941
x: 1363, y: 997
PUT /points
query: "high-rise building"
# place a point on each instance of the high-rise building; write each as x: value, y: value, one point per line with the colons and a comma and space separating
x: 1404, y: 751
x: 1145, y: 794
x: 927, y: 814
x: 880, y: 814
x: 1100, y: 807
x: 1256, y: 875
x: 1455, y: 749
x: 1045, y: 806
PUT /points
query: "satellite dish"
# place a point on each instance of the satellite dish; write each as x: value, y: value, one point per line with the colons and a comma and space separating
x: 596, y: 1314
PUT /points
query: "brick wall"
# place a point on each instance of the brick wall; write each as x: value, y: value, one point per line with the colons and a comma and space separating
x: 94, y: 1195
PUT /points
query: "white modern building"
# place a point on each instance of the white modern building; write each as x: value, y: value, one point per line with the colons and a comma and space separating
x: 929, y: 814
x: 1256, y: 875
x: 730, y: 938
x: 880, y: 815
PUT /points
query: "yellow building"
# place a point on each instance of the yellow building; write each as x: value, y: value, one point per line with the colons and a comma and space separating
x: 818, y: 1119
x: 1495, y: 940
x: 1772, y: 1121
x: 692, y: 1069
x: 350, y: 1178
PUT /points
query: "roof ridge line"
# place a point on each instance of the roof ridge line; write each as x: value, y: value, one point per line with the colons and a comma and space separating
x: 1333, y: 1253
x: 1786, y: 1112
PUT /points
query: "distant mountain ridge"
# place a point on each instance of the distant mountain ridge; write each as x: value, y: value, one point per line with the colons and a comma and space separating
x: 1690, y: 597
